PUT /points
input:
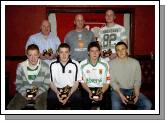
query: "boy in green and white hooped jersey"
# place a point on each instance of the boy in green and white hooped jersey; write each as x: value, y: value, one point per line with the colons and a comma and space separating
x: 95, y: 74
x: 31, y: 73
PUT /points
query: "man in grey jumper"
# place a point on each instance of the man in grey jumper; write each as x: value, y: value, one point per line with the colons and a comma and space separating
x: 126, y: 80
x: 32, y: 73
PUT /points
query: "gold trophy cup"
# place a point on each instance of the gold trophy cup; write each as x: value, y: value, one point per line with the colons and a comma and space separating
x: 48, y: 52
x: 32, y: 92
x: 96, y: 92
x: 130, y: 99
x: 64, y: 92
x: 107, y: 53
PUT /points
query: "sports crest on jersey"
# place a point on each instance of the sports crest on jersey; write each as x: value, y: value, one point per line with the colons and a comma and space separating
x: 87, y: 71
x: 100, y: 71
x: 69, y: 71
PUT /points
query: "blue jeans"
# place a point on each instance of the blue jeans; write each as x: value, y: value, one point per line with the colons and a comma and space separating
x: 143, y: 102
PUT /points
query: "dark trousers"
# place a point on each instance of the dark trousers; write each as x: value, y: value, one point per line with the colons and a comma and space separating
x: 105, y: 103
x: 74, y: 102
x: 19, y: 102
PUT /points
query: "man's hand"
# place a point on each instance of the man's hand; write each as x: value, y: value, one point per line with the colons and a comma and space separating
x: 98, y: 99
x: 90, y: 95
x: 123, y: 98
x: 65, y: 100
x: 136, y: 99
x: 58, y: 96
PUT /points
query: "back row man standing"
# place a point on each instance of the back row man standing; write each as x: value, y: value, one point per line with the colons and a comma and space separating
x: 79, y: 39
x: 111, y: 34
x: 46, y: 41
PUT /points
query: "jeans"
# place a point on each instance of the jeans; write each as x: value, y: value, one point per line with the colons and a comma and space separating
x: 143, y: 102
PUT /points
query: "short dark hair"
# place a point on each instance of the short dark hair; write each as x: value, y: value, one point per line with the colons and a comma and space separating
x: 32, y: 47
x: 93, y: 44
x: 121, y: 43
x: 63, y: 45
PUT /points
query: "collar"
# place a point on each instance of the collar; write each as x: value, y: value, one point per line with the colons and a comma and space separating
x: 89, y: 60
x: 63, y: 66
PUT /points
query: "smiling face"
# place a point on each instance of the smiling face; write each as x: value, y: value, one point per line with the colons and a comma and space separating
x: 33, y: 56
x: 121, y: 51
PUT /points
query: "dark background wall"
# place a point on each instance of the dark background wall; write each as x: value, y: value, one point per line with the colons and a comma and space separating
x: 22, y: 21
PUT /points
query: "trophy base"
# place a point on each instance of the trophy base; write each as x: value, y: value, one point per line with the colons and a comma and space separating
x: 130, y: 103
x: 30, y: 96
x: 95, y: 97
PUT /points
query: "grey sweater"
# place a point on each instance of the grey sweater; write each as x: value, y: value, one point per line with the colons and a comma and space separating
x: 125, y: 73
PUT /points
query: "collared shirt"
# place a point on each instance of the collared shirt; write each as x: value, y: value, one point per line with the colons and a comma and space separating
x: 95, y: 75
x: 63, y: 75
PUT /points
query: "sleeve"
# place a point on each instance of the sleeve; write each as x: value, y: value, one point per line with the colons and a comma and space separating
x: 137, y: 75
x: 108, y: 74
x: 51, y: 73
x: 46, y: 83
x: 79, y: 75
x: 93, y: 37
x: 83, y: 78
x: 57, y: 44
x: 20, y: 85
x: 66, y: 39
x: 30, y: 41
x: 114, y: 82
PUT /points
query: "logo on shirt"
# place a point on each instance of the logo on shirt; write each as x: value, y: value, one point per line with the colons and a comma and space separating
x: 69, y: 71
x: 81, y: 43
x: 100, y: 71
x: 90, y: 80
x: 87, y: 71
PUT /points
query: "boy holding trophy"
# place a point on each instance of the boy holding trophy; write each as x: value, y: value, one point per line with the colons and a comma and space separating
x: 65, y: 77
x: 32, y: 81
x: 96, y: 78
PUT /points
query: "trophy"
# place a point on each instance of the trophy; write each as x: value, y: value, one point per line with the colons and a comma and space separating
x: 31, y: 92
x: 96, y: 92
x: 64, y: 92
x: 48, y: 52
x: 107, y: 53
x: 130, y: 99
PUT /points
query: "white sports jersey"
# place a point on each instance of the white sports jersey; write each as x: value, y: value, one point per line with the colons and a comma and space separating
x: 110, y: 36
x: 63, y: 75
x: 95, y: 75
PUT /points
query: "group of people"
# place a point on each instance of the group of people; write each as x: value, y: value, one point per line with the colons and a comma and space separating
x: 79, y: 66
